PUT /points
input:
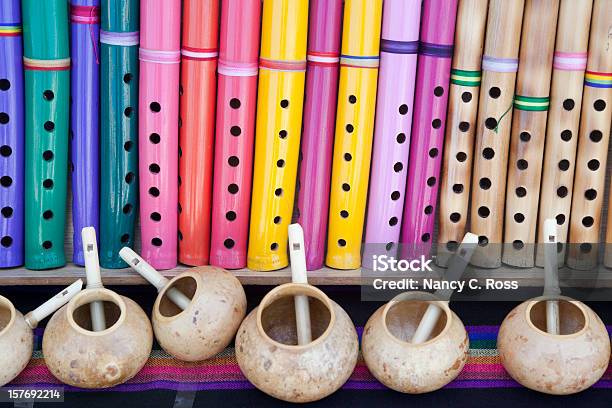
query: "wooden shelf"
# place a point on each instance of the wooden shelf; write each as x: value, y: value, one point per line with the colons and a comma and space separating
x: 527, y: 277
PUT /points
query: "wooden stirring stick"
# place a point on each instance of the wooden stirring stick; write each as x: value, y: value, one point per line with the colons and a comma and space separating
x: 299, y: 275
x: 153, y: 277
x: 94, y: 280
x: 456, y: 267
x: 551, y: 276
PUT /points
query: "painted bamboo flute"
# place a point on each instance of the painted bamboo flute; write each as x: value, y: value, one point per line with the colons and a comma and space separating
x: 279, y: 123
x: 569, y: 64
x: 11, y: 135
x: 197, y: 128
x: 499, y: 67
x: 159, y: 55
x: 531, y: 104
x: 461, y: 126
x: 319, y: 123
x: 84, y: 119
x: 47, y: 88
x: 593, y: 141
x: 119, y: 40
x: 394, y: 106
x: 354, y: 131
x: 430, y: 102
x: 235, y: 128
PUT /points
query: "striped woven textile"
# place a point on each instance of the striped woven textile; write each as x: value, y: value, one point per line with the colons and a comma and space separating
x: 162, y: 372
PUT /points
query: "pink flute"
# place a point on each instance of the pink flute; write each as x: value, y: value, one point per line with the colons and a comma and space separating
x: 398, y: 64
x: 236, y: 106
x: 160, y: 44
x: 319, y: 126
x: 433, y: 76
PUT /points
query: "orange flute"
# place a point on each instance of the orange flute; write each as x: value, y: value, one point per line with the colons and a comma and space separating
x: 196, y: 143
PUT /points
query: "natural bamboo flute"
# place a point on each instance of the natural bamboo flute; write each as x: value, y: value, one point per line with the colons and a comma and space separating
x: 569, y: 64
x: 531, y: 104
x: 500, y: 63
x: 461, y: 126
x: 593, y: 141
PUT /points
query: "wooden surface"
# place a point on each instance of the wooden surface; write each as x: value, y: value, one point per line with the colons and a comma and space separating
x: 526, y: 277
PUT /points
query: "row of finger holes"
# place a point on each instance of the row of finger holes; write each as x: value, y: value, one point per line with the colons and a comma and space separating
x: 5, y: 151
x: 591, y: 194
x: 128, y: 146
x: 280, y: 163
x: 154, y: 169
x: 233, y: 161
x: 433, y: 153
x: 48, y: 156
x: 484, y: 183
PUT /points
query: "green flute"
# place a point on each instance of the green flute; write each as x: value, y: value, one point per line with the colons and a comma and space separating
x: 119, y: 39
x: 47, y: 92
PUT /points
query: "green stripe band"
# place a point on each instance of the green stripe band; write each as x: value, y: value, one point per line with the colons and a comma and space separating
x: 534, y: 104
x: 465, y: 78
x: 474, y: 74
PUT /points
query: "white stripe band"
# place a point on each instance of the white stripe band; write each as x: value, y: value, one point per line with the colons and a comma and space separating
x: 324, y: 60
x: 237, y: 72
x: 201, y: 55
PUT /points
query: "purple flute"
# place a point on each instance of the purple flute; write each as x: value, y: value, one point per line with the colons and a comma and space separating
x: 396, y: 83
x: 433, y: 76
x: 319, y: 126
x: 11, y: 135
x: 85, y: 22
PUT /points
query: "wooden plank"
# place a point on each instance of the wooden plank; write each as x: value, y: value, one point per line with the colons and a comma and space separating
x: 526, y: 277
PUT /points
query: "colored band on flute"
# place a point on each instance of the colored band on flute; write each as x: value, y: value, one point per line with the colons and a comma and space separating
x: 493, y: 64
x: 435, y: 50
x: 529, y: 103
x: 399, y: 47
x: 359, y: 61
x: 232, y: 70
x: 159, y: 57
x: 10, y: 29
x: 200, y: 54
x: 285, y: 66
x: 598, y: 79
x: 570, y: 61
x: 120, y: 38
x: 466, y: 78
x: 85, y: 14
x: 46, y: 65
x: 325, y: 59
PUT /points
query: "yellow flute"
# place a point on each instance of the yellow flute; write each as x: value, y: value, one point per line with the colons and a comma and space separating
x: 354, y: 131
x: 278, y: 129
x: 593, y: 141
